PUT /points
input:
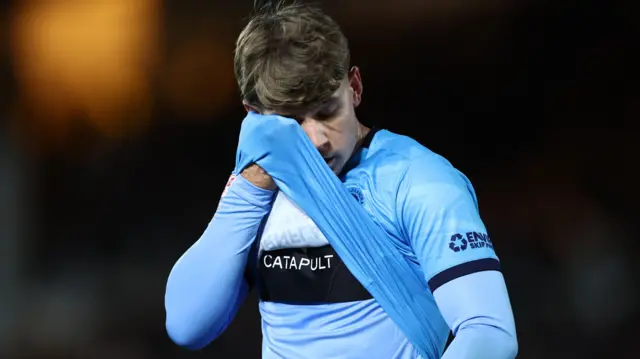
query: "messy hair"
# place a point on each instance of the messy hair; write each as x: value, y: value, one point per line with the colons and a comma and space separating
x: 290, y: 56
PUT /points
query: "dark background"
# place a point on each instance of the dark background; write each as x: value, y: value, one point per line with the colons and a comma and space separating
x: 120, y: 126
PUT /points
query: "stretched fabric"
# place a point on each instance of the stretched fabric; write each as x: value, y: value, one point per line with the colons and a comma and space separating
x: 282, y: 149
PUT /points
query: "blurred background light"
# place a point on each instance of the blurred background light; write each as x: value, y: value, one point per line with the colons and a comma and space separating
x: 89, y: 60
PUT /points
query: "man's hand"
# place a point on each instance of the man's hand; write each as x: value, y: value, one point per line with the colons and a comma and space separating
x: 258, y: 177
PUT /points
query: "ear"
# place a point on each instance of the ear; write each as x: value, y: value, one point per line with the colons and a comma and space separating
x: 355, y: 82
x: 249, y: 108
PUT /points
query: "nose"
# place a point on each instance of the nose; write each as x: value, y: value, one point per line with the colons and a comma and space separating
x: 315, y: 130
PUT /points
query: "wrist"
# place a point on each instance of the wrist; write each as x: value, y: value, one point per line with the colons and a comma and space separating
x: 255, y: 175
x: 251, y: 193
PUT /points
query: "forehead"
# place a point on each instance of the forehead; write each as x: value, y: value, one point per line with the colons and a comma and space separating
x: 335, y: 99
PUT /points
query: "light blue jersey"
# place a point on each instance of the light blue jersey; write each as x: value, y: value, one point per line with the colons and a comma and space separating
x: 429, y: 211
x: 385, y: 181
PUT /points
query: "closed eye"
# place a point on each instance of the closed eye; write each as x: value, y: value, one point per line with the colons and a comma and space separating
x: 328, y: 112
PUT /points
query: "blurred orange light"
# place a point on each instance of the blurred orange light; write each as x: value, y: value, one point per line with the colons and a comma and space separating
x: 86, y: 58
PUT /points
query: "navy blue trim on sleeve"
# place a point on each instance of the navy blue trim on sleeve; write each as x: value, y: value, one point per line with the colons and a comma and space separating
x: 461, y: 270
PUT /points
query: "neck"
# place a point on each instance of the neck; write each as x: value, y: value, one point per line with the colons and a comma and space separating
x: 363, y: 131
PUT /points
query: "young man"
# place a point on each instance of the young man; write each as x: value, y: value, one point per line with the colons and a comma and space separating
x: 294, y: 61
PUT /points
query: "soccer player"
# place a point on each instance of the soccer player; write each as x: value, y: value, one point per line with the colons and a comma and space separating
x: 293, y: 60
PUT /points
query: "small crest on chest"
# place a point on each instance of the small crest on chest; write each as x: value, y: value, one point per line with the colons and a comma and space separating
x: 357, y: 194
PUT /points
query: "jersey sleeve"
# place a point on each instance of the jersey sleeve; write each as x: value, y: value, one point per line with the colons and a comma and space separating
x: 439, y: 217
x: 206, y: 286
x: 477, y: 309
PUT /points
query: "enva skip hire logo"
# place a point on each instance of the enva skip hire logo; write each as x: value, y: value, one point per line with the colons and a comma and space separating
x: 470, y: 240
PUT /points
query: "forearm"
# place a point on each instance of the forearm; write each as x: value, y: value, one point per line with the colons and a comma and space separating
x: 206, y: 285
x: 478, y: 311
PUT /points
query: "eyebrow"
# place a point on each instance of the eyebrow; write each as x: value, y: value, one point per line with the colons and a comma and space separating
x: 333, y: 100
